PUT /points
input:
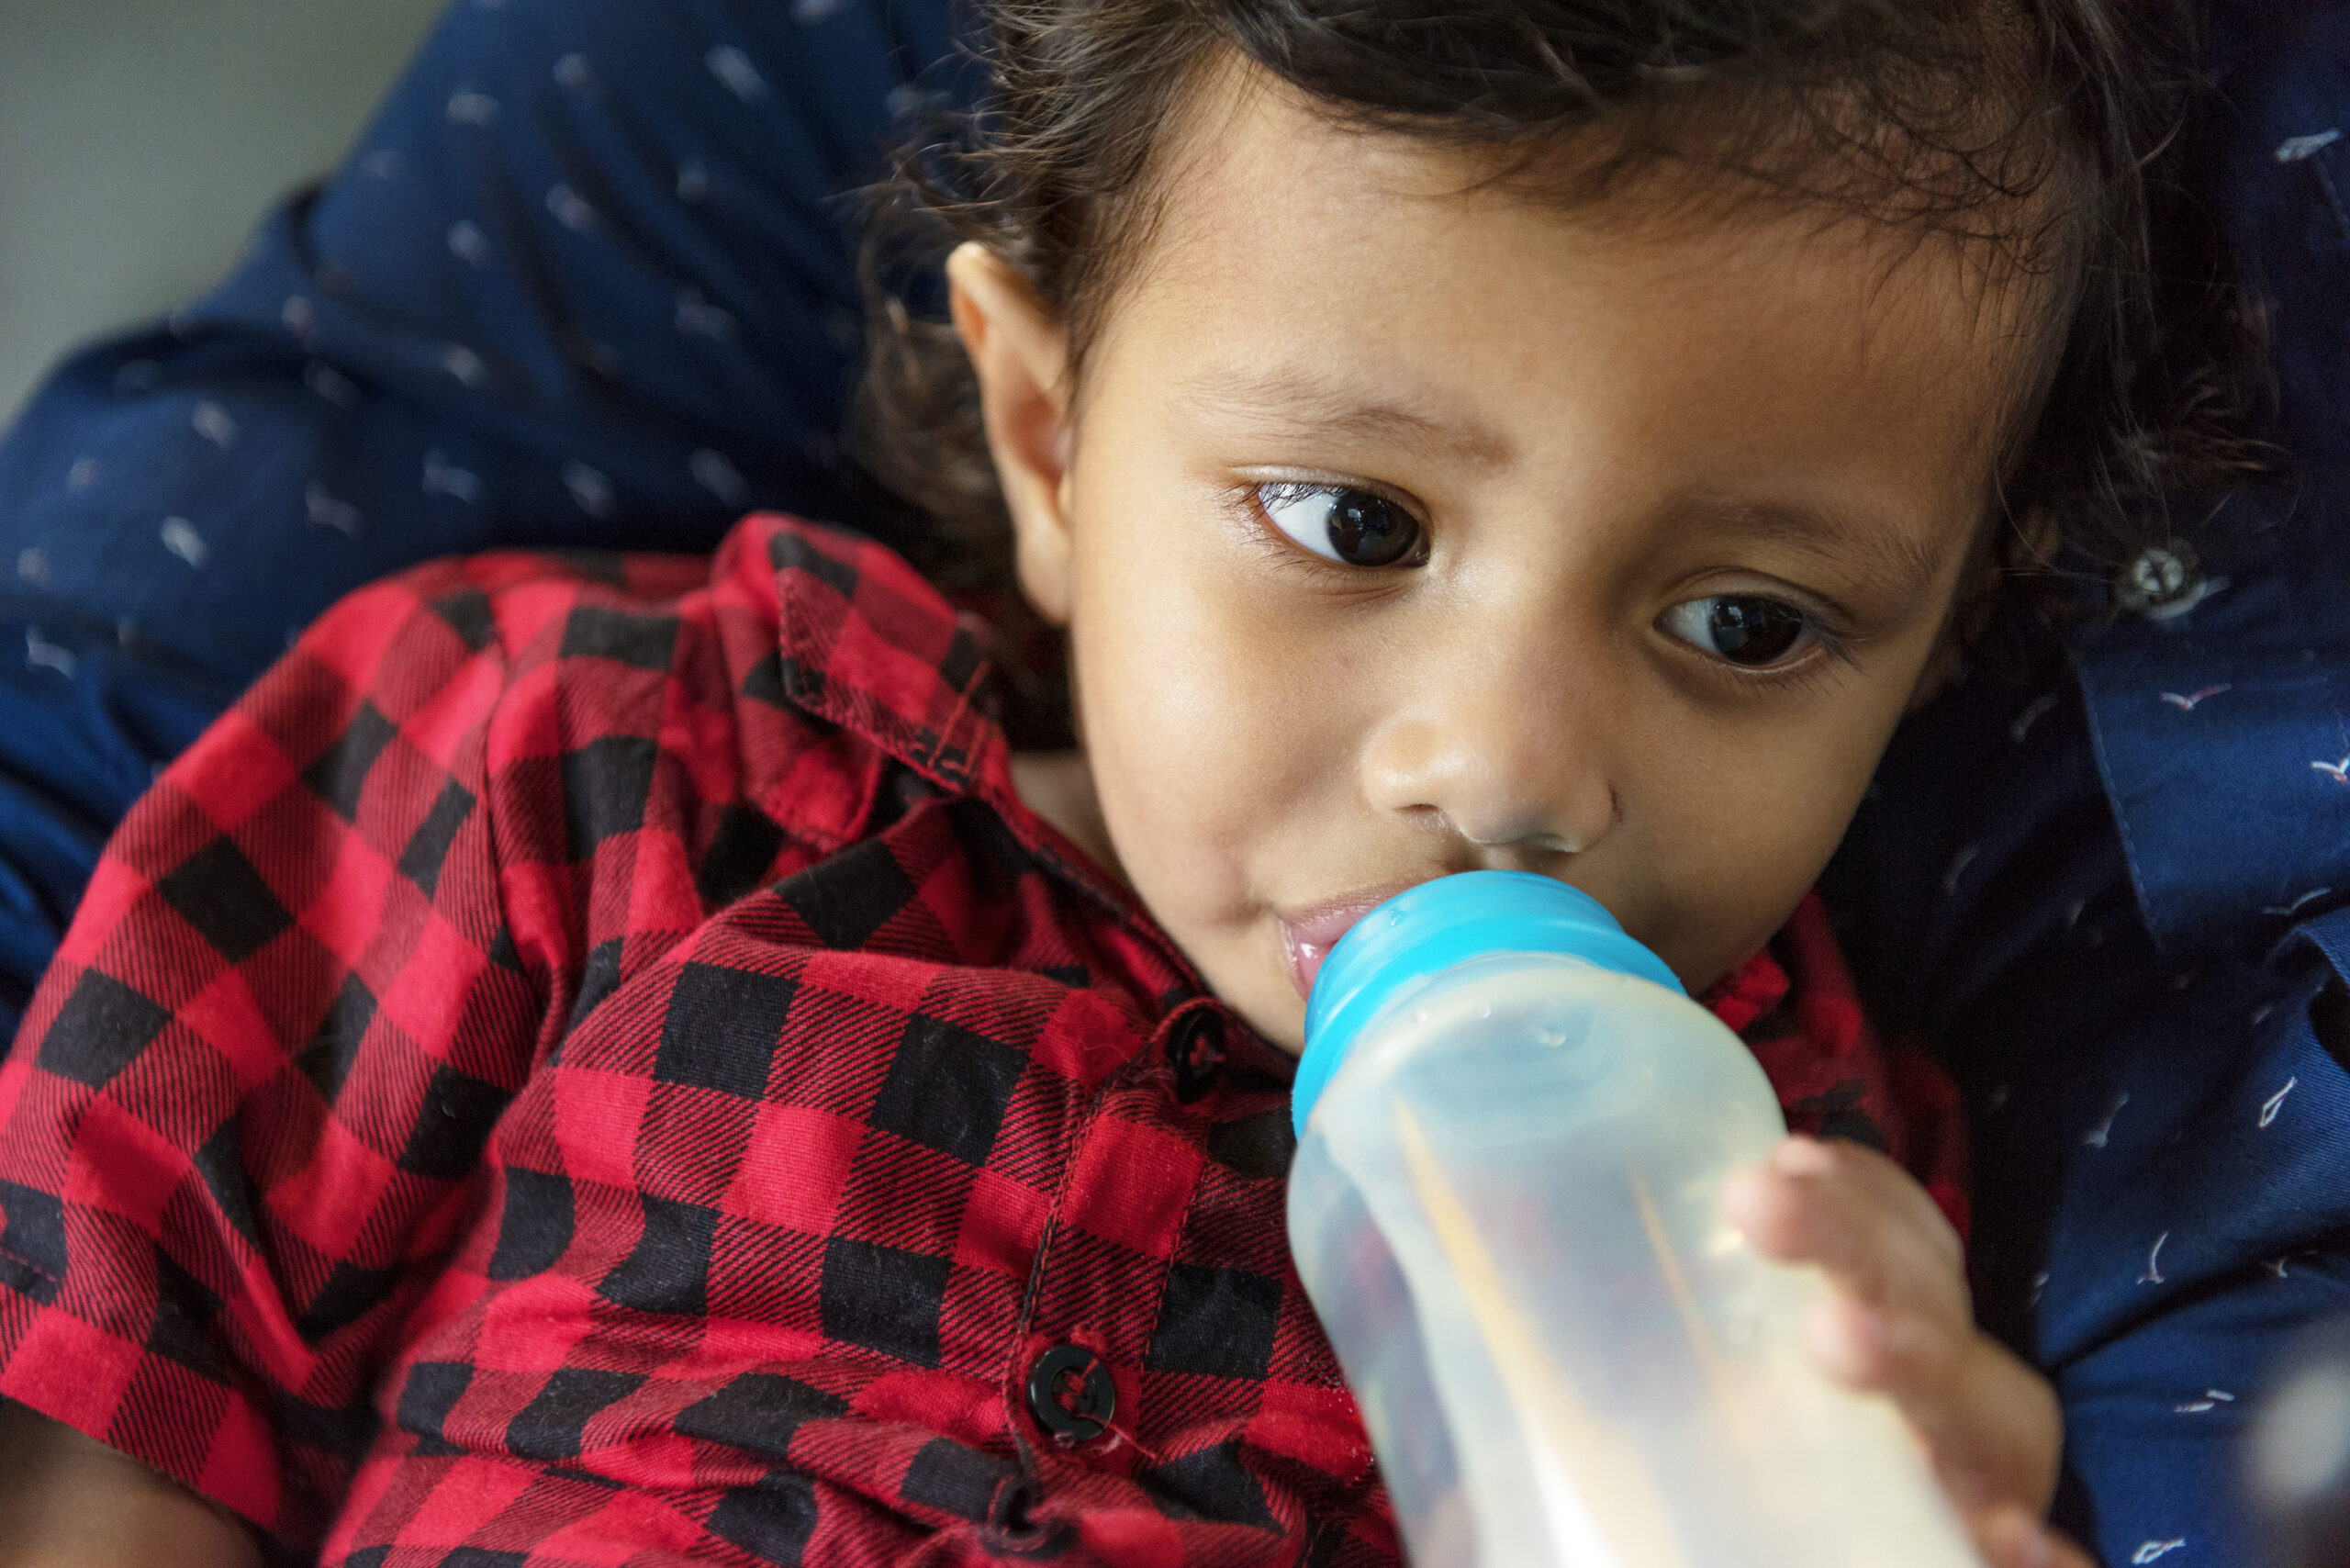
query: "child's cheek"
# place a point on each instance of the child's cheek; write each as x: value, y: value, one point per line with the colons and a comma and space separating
x: 1209, y: 723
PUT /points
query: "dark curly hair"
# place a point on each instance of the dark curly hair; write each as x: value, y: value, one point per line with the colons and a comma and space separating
x: 2041, y: 128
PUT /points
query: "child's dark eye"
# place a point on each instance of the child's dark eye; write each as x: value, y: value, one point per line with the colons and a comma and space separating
x: 1354, y: 528
x: 1744, y: 630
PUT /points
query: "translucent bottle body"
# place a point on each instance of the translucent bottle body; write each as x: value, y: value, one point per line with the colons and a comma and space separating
x: 1504, y: 1207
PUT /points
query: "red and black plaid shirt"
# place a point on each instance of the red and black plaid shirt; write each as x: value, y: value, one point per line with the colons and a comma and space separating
x: 590, y: 1062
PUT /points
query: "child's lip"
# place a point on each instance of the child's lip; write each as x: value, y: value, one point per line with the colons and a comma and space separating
x: 1309, y: 934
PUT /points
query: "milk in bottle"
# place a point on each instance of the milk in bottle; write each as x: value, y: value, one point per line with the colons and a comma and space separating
x: 1514, y: 1132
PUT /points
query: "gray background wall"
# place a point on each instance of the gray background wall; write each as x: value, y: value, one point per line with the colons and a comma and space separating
x: 140, y: 139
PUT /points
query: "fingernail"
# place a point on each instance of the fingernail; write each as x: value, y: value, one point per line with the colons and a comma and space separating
x: 2018, y: 1541
x: 1800, y: 1156
x: 1846, y: 1341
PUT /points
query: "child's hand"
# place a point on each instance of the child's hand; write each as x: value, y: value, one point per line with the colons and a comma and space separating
x: 1899, y: 1322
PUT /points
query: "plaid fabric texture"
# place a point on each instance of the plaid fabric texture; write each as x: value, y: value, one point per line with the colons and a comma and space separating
x: 590, y: 1063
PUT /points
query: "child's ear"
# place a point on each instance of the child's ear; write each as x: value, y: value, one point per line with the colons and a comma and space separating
x: 1970, y: 612
x: 1020, y: 353
x: 2023, y: 545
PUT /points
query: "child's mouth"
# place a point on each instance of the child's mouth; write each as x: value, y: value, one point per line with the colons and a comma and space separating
x: 1309, y: 934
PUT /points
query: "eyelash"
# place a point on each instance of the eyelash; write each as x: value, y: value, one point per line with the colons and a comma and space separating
x: 1834, y: 648
x: 1834, y: 653
x: 1283, y: 554
x: 1261, y: 496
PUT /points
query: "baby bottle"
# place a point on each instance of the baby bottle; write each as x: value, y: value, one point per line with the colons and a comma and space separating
x: 1514, y: 1130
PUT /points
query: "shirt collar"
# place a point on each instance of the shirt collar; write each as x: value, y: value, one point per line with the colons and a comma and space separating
x: 867, y: 645
x: 864, y: 641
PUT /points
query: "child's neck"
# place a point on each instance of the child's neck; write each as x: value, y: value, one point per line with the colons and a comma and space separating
x: 1058, y: 787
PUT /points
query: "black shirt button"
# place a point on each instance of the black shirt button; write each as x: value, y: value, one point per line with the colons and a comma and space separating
x: 1071, y: 1394
x: 1195, y: 1054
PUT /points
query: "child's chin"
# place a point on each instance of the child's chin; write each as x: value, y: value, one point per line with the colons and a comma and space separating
x: 1279, y: 1018
x: 1264, y: 997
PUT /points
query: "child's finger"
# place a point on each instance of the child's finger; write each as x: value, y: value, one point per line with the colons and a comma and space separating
x: 1899, y: 1321
x: 1843, y: 1164
x: 1859, y: 1219
x: 1991, y: 1425
x: 2014, y: 1538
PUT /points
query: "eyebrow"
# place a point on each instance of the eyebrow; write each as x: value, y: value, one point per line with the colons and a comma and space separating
x: 1886, y: 554
x: 1305, y: 402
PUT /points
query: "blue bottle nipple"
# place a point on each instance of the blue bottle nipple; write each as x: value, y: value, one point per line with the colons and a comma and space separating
x: 1404, y: 943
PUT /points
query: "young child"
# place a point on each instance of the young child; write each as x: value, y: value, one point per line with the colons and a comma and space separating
x: 618, y: 1059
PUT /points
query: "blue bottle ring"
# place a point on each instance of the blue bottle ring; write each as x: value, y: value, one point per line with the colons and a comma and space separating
x: 1398, y: 948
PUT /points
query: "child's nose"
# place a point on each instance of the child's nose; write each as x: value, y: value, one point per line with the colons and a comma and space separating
x: 1515, y: 766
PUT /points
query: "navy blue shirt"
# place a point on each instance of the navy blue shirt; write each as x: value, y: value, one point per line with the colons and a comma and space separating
x: 589, y: 281
x: 2111, y: 886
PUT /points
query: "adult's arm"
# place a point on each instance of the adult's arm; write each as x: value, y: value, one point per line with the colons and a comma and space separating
x: 588, y: 280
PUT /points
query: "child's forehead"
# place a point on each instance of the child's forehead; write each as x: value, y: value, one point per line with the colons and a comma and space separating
x: 1362, y: 235
x: 1245, y: 147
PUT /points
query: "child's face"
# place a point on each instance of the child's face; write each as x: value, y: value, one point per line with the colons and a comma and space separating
x: 1401, y: 531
